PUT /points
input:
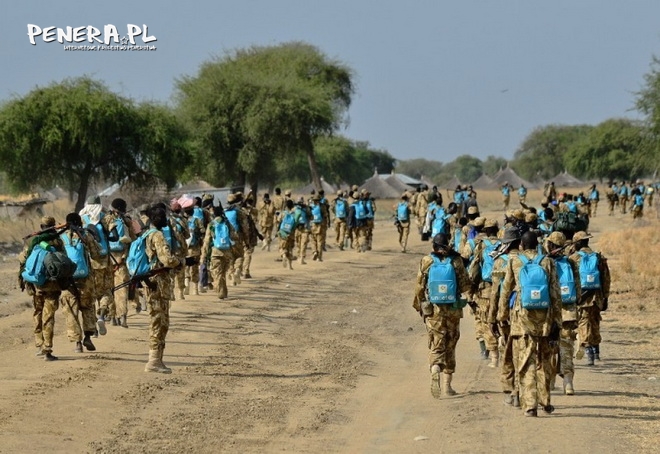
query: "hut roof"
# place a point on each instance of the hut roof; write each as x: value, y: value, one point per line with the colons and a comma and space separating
x: 484, y: 182
x: 451, y: 184
x: 567, y: 180
x: 402, y: 178
x: 380, y: 189
x: 398, y: 184
x: 327, y: 187
x: 509, y: 175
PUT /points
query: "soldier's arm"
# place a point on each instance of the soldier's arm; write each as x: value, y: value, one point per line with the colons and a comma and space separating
x: 507, y: 289
x: 163, y: 252
x: 493, y: 307
x: 462, y: 278
x: 420, y: 286
x: 92, y: 246
x: 206, y: 246
x: 554, y: 290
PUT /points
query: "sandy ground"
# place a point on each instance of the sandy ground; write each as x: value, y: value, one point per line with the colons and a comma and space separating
x: 329, y: 357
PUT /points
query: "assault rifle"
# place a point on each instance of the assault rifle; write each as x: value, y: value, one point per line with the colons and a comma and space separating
x: 54, y: 230
x: 397, y: 223
x: 133, y: 282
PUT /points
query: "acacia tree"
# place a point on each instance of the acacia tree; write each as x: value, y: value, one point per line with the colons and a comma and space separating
x: 258, y: 105
x: 77, y: 131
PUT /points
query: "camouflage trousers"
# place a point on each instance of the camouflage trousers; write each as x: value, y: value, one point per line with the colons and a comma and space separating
x: 286, y: 246
x: 566, y: 349
x: 302, y: 240
x: 318, y: 241
x: 121, y: 295
x: 481, y: 319
x: 623, y: 202
x: 369, y: 233
x: 75, y: 308
x: 247, y: 260
x: 593, y: 207
x: 340, y: 232
x: 637, y: 211
x: 589, y: 326
x: 505, y: 202
x: 104, y: 280
x: 236, y: 261
x: 158, y: 306
x: 219, y: 268
x: 267, y: 232
x: 45, y: 306
x: 192, y: 272
x: 324, y: 235
x: 403, y: 235
x: 534, y: 369
x: 360, y: 239
x: 508, y: 364
x: 443, y: 334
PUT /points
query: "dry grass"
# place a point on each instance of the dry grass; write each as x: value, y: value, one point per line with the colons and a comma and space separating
x: 12, y: 231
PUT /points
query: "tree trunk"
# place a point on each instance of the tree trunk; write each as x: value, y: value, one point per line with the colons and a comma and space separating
x: 313, y: 167
x: 84, y: 186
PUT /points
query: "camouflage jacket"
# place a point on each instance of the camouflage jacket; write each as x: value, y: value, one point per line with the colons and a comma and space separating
x: 594, y: 297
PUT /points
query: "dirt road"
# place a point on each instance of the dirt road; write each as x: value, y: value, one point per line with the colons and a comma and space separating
x: 329, y: 357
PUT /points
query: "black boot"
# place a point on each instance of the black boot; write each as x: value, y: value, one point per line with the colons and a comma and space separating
x: 87, y: 342
x: 596, y: 352
x: 124, y: 323
x: 484, y: 351
x: 590, y: 355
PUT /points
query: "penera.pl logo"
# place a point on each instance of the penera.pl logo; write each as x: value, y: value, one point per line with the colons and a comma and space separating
x: 90, y: 38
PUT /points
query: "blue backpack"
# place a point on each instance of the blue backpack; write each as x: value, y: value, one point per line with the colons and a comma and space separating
x: 360, y: 210
x: 506, y: 190
x: 103, y: 237
x: 35, y: 269
x: 75, y: 250
x: 317, y: 215
x: 193, y: 240
x: 118, y: 246
x: 301, y: 215
x: 340, y: 208
x: 169, y: 236
x: 442, y: 285
x: 198, y: 213
x: 589, y: 272
x: 287, y: 224
x: 402, y: 212
x: 138, y: 262
x: 487, y: 261
x: 232, y: 217
x: 639, y: 200
x: 458, y: 233
x: 522, y: 191
x: 534, y: 292
x: 369, y: 205
x: 567, y: 286
x: 222, y: 236
x: 572, y: 207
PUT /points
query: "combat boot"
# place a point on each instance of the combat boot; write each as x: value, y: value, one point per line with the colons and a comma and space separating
x: 78, y: 348
x: 100, y: 323
x: 494, y: 359
x: 186, y: 285
x: 115, y: 321
x: 180, y: 292
x: 590, y: 355
x: 290, y: 266
x: 435, y: 381
x: 302, y: 261
x: 568, y: 385
x: 87, y: 343
x: 483, y: 350
x: 596, y: 349
x: 195, y: 289
x: 446, y: 388
x: 155, y: 363
x: 237, y: 277
x: 124, y: 323
x: 516, y: 400
x: 200, y: 288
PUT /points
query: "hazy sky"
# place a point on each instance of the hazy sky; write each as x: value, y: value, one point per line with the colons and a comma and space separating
x: 436, y: 79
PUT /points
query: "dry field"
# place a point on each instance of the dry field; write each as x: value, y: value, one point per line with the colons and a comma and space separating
x: 329, y: 357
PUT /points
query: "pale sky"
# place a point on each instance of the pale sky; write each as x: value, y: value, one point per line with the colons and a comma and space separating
x: 435, y: 79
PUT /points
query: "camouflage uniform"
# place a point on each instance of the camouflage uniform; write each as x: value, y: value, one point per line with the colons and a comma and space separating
x: 286, y: 242
x: 443, y: 325
x: 194, y: 251
x: 404, y: 226
x: 220, y: 260
x: 266, y: 223
x: 238, y: 250
x: 530, y: 330
x: 121, y: 271
x: 84, y: 305
x: 482, y: 296
x: 180, y: 234
x: 45, y: 300
x: 302, y: 235
x: 420, y: 209
x: 340, y: 223
x: 591, y: 303
x: 251, y: 240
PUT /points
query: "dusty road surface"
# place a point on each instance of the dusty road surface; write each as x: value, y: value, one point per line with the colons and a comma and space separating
x: 329, y: 357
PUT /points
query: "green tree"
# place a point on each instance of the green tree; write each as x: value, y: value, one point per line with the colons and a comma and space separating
x: 77, y: 131
x: 466, y: 168
x: 541, y: 155
x: 259, y: 105
x: 418, y: 168
x: 615, y: 149
x: 648, y: 102
x: 493, y: 164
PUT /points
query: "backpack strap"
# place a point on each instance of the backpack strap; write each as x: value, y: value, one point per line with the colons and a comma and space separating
x: 538, y: 258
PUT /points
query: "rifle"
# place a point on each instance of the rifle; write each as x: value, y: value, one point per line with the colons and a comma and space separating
x: 397, y: 223
x: 133, y: 282
x: 56, y: 230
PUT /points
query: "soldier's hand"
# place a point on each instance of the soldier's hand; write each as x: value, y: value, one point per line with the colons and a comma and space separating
x: 554, y: 332
x: 495, y: 330
x: 604, y: 305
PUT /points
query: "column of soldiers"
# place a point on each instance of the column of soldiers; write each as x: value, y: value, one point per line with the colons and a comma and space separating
x: 536, y: 292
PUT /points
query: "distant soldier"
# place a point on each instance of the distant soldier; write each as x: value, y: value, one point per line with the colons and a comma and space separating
x: 303, y: 229
x: 421, y: 206
x: 624, y: 197
x: 317, y: 222
x: 286, y: 232
x: 594, y: 197
x: 238, y: 219
x: 217, y: 249
x: 440, y: 281
x: 403, y: 221
x: 267, y: 221
x: 522, y: 194
x: 595, y: 292
x: 535, y: 321
x: 251, y: 214
x: 278, y: 200
x: 637, y: 204
x: 339, y: 210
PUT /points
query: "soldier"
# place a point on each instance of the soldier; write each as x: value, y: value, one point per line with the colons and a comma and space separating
x: 217, y: 249
x: 303, y: 229
x: 278, y: 201
x: 179, y: 245
x: 317, y: 222
x: 370, y: 205
x: 403, y: 221
x: 251, y: 214
x: 506, y: 195
x: 481, y: 275
x: 421, y: 206
x: 522, y: 194
x: 637, y: 207
x: 267, y: 221
x: 238, y: 219
x: 339, y: 209
x: 412, y: 202
x: 45, y: 297
x: 535, y: 321
x: 159, y: 291
x: 325, y: 225
x: 78, y: 298
x: 551, y: 192
x: 595, y: 292
x: 286, y: 228
x: 594, y: 197
x: 624, y: 195
x: 569, y: 285
x: 119, y: 220
x: 498, y: 316
x: 440, y: 281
